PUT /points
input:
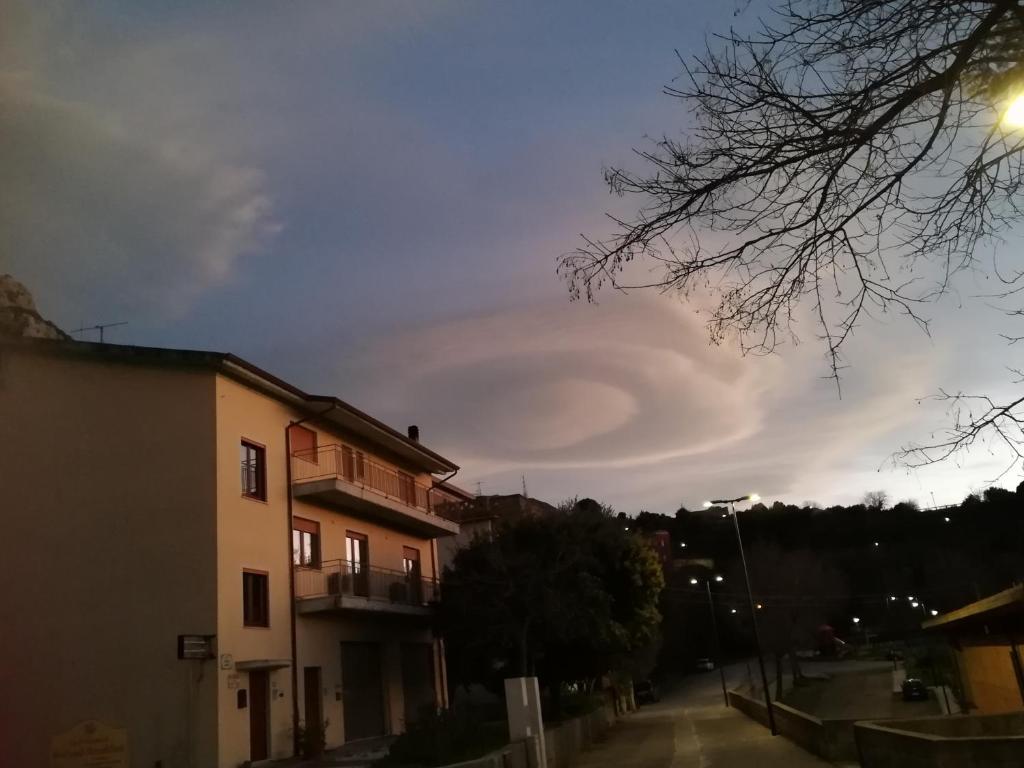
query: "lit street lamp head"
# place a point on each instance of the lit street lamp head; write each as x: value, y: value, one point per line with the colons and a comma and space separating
x: 1013, y: 117
x: 693, y: 581
x: 719, y: 578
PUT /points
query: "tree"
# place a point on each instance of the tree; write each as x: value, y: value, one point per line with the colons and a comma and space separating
x: 564, y: 596
x: 849, y: 158
x: 875, y: 500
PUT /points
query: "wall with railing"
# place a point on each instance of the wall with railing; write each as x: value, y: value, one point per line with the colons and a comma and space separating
x: 349, y: 579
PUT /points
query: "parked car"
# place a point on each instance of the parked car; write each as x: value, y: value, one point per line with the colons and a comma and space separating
x: 646, y: 692
x: 705, y: 665
x: 914, y: 690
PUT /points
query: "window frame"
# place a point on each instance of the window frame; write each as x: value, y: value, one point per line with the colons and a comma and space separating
x: 248, y: 620
x: 260, y: 453
x: 305, y: 527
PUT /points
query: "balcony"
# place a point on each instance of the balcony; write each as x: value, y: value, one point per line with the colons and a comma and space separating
x: 339, y: 585
x: 341, y: 476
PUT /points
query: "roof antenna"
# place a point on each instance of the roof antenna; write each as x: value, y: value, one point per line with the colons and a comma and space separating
x: 479, y: 492
x: 99, y: 328
x: 525, y: 494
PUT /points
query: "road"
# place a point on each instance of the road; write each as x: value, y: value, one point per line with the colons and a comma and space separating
x: 692, y: 728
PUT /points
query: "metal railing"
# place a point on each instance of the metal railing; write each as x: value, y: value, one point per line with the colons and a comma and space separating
x: 345, y: 578
x: 344, y: 461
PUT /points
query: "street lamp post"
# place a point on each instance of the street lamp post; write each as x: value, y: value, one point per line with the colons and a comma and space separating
x: 750, y: 597
x: 714, y: 635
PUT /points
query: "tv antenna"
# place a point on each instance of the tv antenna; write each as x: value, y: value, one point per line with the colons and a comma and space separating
x: 99, y: 328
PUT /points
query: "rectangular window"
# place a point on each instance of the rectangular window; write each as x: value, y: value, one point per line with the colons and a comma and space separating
x: 255, y: 599
x: 305, y: 542
x: 357, y: 553
x: 413, y: 579
x: 254, y: 471
x: 303, y: 443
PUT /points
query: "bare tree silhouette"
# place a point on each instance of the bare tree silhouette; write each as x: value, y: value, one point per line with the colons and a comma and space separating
x: 848, y: 156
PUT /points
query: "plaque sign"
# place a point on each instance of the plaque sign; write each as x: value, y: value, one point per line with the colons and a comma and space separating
x: 90, y: 745
x: 195, y: 647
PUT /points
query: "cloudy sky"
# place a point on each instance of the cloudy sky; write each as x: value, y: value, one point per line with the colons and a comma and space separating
x: 368, y: 198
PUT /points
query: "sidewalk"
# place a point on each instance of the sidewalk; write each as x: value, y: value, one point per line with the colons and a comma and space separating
x: 693, y: 732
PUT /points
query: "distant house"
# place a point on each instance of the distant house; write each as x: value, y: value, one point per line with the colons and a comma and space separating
x: 479, y: 515
x: 661, y: 543
x: 208, y: 558
x: 986, y: 637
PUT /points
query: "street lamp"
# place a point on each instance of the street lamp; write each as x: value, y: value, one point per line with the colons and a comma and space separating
x: 714, y: 633
x: 1014, y: 115
x: 753, y: 498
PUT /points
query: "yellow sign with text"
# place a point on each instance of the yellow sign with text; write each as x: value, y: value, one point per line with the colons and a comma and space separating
x: 90, y: 745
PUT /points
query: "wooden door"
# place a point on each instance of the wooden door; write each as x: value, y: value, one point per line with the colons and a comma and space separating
x: 362, y: 690
x: 313, y: 696
x: 259, y: 715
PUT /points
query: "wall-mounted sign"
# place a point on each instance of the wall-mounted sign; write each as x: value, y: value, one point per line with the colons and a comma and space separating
x: 195, y: 646
x: 227, y: 661
x: 90, y: 745
x: 233, y: 680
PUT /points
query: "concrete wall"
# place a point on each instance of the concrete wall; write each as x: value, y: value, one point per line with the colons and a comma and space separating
x: 565, y: 741
x: 968, y: 741
x: 108, y: 548
x: 831, y: 739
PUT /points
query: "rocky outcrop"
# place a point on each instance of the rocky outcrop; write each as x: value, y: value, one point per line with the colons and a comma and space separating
x: 18, y: 315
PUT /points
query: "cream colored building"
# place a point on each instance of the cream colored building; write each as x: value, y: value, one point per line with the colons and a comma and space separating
x: 152, y: 497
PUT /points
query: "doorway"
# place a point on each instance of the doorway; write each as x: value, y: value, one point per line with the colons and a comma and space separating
x: 362, y: 690
x: 259, y: 715
x: 313, y: 694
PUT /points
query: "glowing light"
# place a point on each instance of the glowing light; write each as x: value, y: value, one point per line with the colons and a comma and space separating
x: 754, y: 498
x: 877, y: 544
x: 719, y: 578
x: 693, y: 581
x: 934, y: 612
x: 1014, y: 115
x: 910, y: 598
x: 893, y: 597
x: 914, y: 605
x: 732, y: 611
x: 724, y: 515
x: 856, y: 620
x: 946, y: 519
x: 707, y: 504
x: 759, y: 606
x: 682, y: 543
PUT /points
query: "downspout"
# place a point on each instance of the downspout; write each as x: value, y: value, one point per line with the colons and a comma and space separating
x: 296, y: 746
x: 441, y: 674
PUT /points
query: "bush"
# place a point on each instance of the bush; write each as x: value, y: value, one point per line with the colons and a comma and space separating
x: 440, y: 738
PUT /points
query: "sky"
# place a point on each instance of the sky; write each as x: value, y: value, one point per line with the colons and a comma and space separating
x: 369, y: 199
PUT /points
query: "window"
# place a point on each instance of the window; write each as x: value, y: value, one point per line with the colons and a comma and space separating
x: 411, y: 566
x: 255, y: 599
x: 357, y: 553
x: 303, y: 443
x: 305, y: 542
x: 254, y: 471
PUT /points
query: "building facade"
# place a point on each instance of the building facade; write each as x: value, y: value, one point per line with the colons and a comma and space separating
x: 166, y: 503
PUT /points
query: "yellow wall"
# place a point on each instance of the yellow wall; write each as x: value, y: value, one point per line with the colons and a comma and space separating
x: 989, y: 679
x: 255, y: 535
x: 107, y: 481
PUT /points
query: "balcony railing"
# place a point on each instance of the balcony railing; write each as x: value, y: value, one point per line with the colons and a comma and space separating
x: 342, y: 461
x: 343, y: 578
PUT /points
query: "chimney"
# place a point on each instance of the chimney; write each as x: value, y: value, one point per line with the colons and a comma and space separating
x: 414, y: 433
